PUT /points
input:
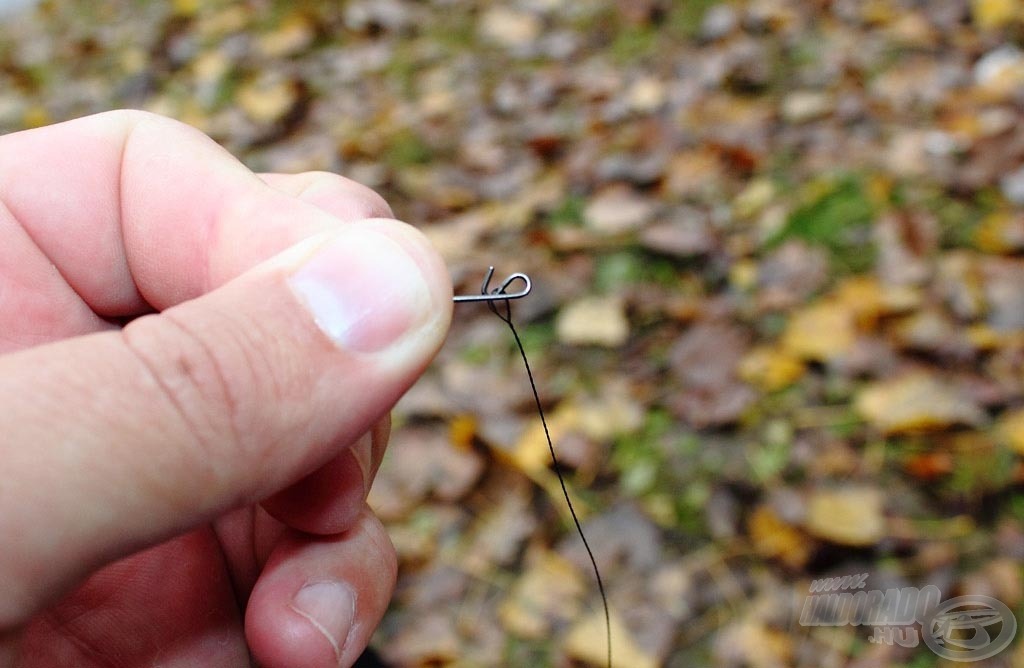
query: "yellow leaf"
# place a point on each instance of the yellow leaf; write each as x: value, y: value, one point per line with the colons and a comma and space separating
x: 879, y: 12
x: 531, y: 454
x: 751, y: 643
x: 916, y: 402
x: 754, y: 198
x: 185, y: 7
x: 983, y: 337
x: 990, y: 14
x: 586, y: 642
x: 222, y: 22
x: 133, y: 60
x: 616, y: 411
x: 1011, y: 428
x: 462, y: 431
x: 822, y: 331
x: 209, y: 66
x: 267, y: 101
x: 867, y: 299
x: 1000, y: 232
x: 743, y: 274
x: 549, y: 590
x: 851, y: 516
x: 294, y: 34
x: 770, y: 369
x: 774, y: 538
x: 593, y: 321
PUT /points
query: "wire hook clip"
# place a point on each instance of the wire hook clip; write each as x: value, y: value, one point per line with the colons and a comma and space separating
x: 499, y: 293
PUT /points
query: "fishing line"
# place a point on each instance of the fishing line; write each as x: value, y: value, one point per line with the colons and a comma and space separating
x: 500, y: 295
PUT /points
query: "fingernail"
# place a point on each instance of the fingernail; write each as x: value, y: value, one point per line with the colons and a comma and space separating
x: 364, y: 290
x: 330, y: 607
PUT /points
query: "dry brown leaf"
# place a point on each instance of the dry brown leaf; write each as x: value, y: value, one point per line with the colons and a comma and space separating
x: 929, y: 465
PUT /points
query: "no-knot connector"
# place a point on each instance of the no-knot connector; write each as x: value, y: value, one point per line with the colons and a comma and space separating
x: 500, y: 293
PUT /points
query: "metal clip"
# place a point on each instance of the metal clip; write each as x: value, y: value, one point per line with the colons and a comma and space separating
x: 498, y: 294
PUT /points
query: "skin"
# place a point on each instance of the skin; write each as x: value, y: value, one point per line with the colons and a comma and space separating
x: 183, y: 447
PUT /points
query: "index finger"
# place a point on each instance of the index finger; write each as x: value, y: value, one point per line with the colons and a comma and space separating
x: 139, y: 212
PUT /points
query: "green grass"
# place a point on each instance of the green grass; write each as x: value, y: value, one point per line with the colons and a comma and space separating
x: 631, y: 267
x: 407, y: 149
x: 568, y: 213
x: 836, y: 215
x: 685, y: 17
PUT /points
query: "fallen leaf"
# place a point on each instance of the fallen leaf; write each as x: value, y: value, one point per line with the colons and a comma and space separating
x: 614, y: 411
x: 754, y: 198
x: 990, y: 14
x: 705, y: 360
x: 774, y: 538
x: 267, y: 99
x: 292, y: 35
x: 770, y: 368
x: 1011, y: 428
x: 599, y: 321
x: 999, y: 73
x: 850, y: 516
x: 790, y: 274
x: 509, y: 27
x: 916, y: 402
x: 422, y: 463
x: 929, y: 465
x: 618, y: 209
x: 751, y: 643
x: 1004, y: 292
x: 646, y: 95
x: 1001, y: 232
x: 693, y: 173
x: 805, y: 106
x: 462, y: 431
x: 686, y: 235
x: 820, y: 332
x: 587, y: 640
x: 548, y: 591
x: 430, y: 638
x: 530, y: 453
x: 497, y: 536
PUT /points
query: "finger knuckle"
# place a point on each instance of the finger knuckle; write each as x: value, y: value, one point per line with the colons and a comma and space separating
x: 364, y: 201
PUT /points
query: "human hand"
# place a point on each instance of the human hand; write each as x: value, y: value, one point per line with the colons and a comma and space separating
x: 188, y: 489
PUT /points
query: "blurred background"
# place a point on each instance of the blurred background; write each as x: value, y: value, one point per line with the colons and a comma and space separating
x: 778, y: 317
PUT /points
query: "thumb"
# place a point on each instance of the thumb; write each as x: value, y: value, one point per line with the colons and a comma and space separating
x: 118, y: 440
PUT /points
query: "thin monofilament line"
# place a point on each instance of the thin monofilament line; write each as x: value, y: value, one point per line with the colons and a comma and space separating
x: 558, y: 471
